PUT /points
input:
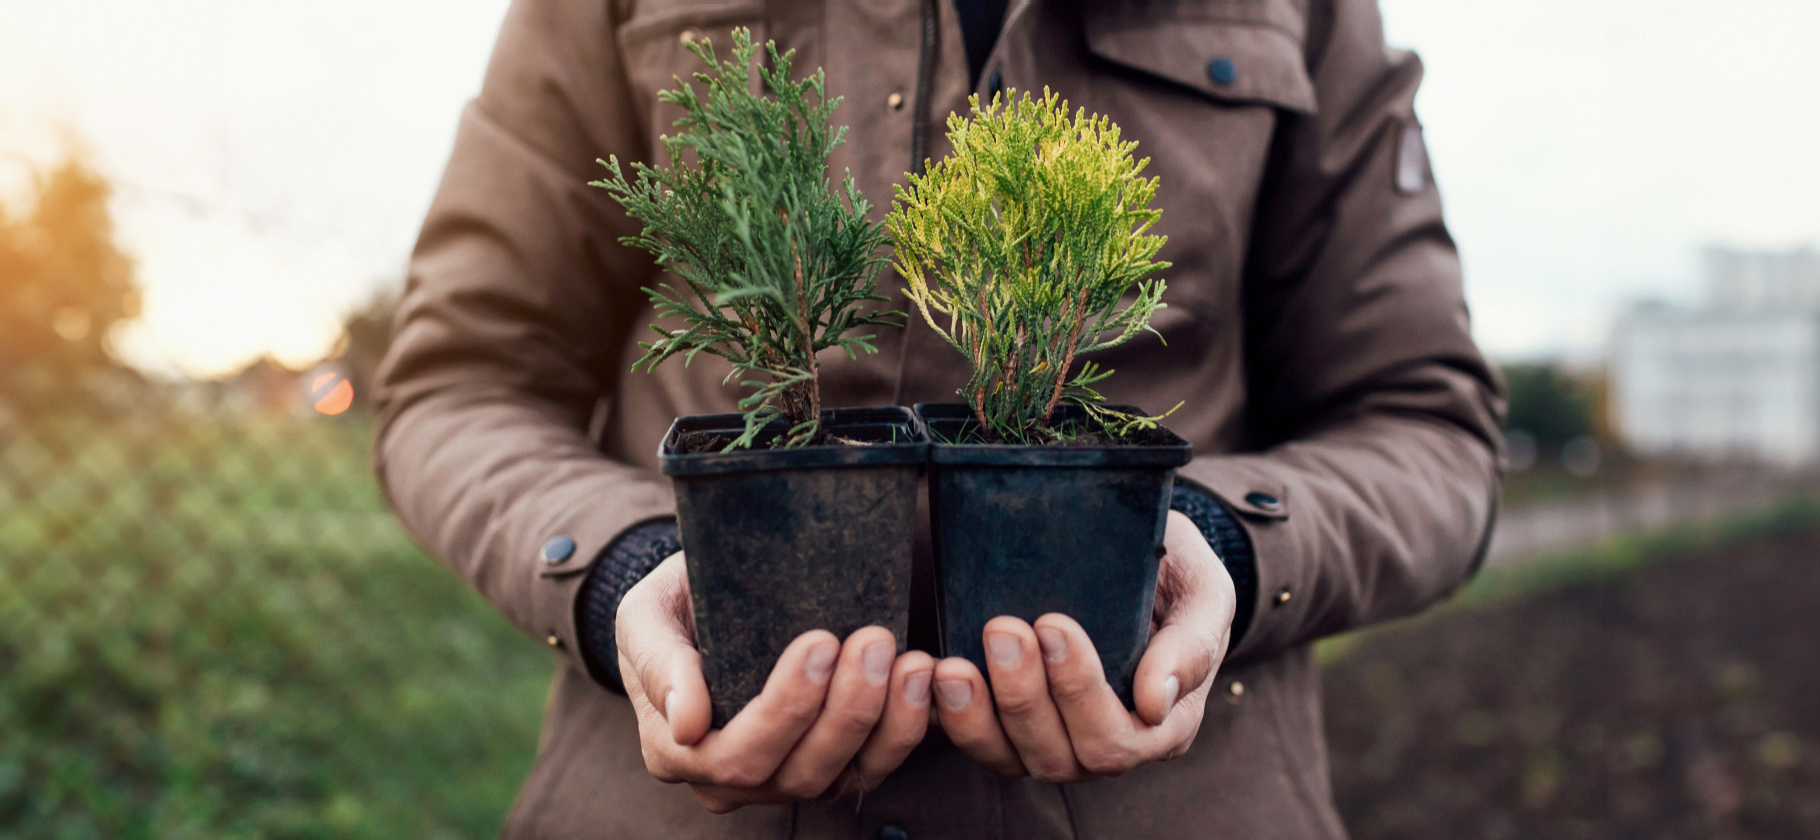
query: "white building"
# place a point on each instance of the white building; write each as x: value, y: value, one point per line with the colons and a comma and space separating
x: 1755, y: 281
x: 1739, y: 378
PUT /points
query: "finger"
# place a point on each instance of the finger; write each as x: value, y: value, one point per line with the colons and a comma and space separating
x: 1191, y: 580
x: 755, y: 742
x: 1194, y: 626
x: 964, y: 708
x: 905, y: 722
x: 1105, y: 738
x: 658, y: 661
x: 1180, y: 661
x: 1020, y: 691
x: 856, y: 699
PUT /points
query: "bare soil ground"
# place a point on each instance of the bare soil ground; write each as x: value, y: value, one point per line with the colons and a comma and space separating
x: 1678, y: 700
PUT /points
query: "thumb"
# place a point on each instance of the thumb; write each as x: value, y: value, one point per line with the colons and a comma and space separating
x: 657, y: 656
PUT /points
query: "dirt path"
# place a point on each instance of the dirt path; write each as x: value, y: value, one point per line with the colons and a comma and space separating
x: 1682, y: 701
x: 1526, y: 531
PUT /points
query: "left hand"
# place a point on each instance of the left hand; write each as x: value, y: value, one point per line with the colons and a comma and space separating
x: 1057, y: 720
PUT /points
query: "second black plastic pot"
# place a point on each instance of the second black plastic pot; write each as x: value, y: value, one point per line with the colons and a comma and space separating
x: 779, y: 542
x: 1029, y: 530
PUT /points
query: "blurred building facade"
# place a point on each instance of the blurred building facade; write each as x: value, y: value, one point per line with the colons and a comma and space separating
x: 1738, y: 378
x: 1756, y: 281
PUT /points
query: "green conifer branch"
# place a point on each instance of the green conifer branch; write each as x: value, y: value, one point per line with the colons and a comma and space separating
x: 775, y: 263
x: 1018, y: 250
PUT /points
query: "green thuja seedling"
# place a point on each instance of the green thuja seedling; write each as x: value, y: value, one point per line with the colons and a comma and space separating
x: 777, y: 264
x: 1019, y: 247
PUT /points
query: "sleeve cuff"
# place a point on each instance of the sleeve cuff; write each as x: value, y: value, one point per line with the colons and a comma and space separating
x: 620, y: 566
x: 1231, y: 543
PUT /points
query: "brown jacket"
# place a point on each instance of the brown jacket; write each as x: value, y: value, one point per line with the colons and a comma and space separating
x: 1316, y: 330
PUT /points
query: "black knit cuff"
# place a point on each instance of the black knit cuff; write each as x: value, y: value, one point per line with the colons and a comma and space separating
x: 1231, y: 543
x: 621, y: 565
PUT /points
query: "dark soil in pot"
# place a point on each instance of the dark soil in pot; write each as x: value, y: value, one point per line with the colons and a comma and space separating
x: 1074, y: 527
x: 783, y: 541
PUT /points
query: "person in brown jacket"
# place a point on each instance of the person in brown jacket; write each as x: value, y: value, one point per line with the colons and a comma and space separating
x: 1344, y: 424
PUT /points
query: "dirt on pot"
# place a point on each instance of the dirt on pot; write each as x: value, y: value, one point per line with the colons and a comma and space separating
x: 1075, y: 437
x: 696, y: 443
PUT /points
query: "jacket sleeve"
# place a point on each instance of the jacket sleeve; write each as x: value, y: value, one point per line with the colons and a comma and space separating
x: 1375, y: 417
x: 518, y: 301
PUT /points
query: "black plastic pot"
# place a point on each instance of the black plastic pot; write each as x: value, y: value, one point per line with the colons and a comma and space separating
x: 1029, y: 530
x: 783, y: 541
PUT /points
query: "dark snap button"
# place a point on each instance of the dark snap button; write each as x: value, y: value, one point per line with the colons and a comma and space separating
x: 558, y: 550
x: 1222, y: 71
x: 1263, y: 501
x: 892, y: 832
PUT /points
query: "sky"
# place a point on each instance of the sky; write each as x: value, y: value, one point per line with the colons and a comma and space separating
x: 273, y: 161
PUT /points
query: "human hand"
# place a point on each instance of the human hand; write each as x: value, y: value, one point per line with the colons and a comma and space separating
x: 1057, y: 719
x: 833, y: 717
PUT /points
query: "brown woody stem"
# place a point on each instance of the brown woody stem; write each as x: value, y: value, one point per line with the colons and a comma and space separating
x: 1074, y: 340
x: 813, y: 389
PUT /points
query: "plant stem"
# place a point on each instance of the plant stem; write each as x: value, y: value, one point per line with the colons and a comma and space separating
x: 802, y: 326
x: 1079, y: 311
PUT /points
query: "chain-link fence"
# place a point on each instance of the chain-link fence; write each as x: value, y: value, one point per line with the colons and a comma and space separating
x: 211, y: 626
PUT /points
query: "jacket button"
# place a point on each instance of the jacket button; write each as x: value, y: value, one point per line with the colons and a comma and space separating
x: 892, y: 832
x: 1264, y: 502
x: 555, y: 641
x: 689, y: 36
x: 1222, y: 71
x: 994, y: 84
x: 1282, y: 597
x: 558, y: 550
x: 895, y: 101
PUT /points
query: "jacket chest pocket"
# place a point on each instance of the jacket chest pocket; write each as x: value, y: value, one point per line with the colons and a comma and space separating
x: 655, y: 44
x: 1203, y: 88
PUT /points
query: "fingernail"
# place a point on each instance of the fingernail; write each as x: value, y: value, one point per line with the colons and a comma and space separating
x: 1004, y: 649
x: 819, y: 664
x: 955, y: 694
x: 1172, y: 688
x: 669, y: 698
x: 1054, y: 642
x: 875, y: 663
x: 916, y: 689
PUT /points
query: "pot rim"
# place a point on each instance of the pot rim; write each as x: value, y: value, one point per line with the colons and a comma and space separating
x: 883, y: 454
x: 1162, y: 456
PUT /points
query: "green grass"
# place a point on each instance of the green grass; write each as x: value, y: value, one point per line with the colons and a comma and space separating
x: 213, y: 628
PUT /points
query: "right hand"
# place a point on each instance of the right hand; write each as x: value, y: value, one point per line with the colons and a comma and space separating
x: 833, y: 718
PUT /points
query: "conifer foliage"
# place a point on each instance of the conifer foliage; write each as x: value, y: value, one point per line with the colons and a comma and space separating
x: 1018, y: 249
x: 777, y: 264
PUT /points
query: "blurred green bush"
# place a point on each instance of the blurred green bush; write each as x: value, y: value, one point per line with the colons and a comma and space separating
x: 210, y: 626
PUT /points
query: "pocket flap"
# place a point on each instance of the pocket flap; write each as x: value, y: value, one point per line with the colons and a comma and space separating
x: 1223, y: 59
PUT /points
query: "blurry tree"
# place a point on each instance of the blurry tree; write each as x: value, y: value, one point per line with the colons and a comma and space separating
x: 64, y: 283
x: 1550, y: 404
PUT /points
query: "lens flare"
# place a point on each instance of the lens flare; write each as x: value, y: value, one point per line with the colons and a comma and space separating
x: 332, y: 393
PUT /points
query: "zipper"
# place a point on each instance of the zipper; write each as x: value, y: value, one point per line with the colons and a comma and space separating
x: 925, y: 84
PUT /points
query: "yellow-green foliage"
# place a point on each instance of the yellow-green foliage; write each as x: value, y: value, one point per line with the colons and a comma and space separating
x: 1018, y: 249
